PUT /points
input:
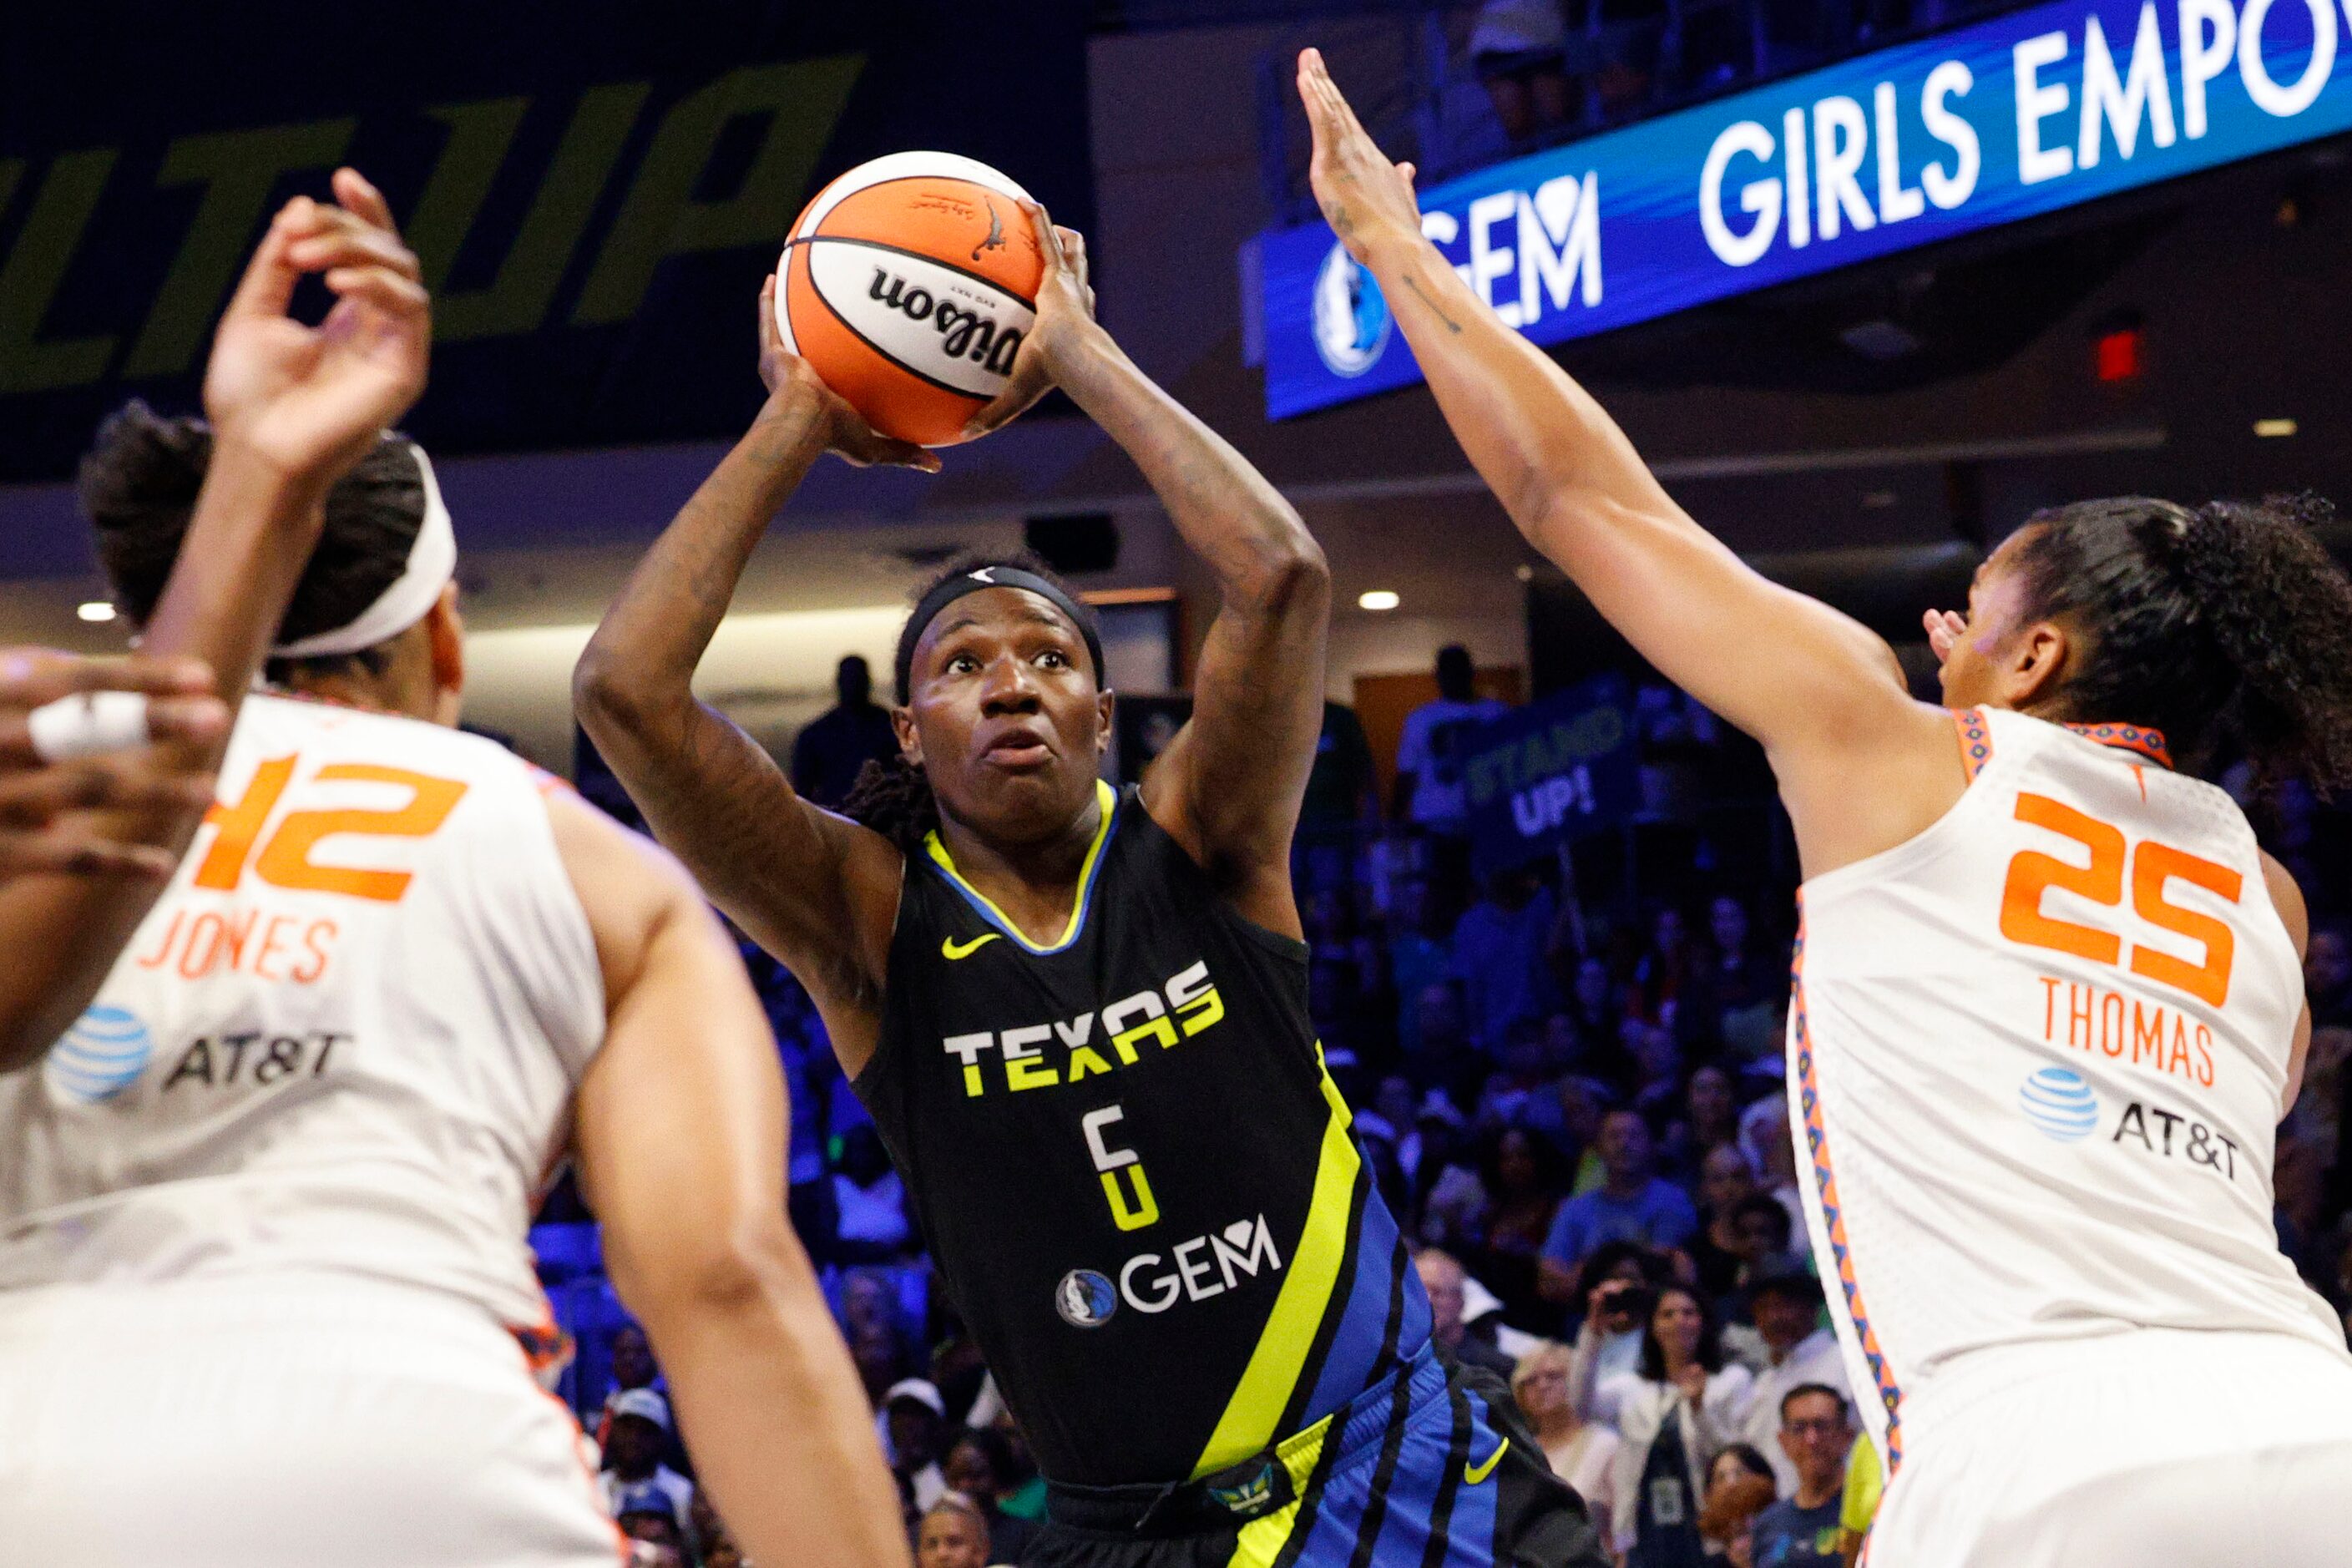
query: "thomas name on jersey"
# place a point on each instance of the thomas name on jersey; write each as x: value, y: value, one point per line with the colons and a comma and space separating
x: 1187, y: 1003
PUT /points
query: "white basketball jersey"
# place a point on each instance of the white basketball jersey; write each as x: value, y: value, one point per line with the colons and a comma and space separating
x: 344, y: 1041
x: 2039, y: 1052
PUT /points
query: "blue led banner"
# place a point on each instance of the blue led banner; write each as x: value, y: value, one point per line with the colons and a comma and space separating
x: 2018, y: 116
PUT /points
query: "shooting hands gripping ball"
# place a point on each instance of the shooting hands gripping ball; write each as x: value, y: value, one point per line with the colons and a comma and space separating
x: 909, y: 285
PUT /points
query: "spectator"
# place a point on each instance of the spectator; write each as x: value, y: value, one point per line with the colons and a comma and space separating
x: 914, y: 1423
x: 642, y: 1513
x: 953, y: 1534
x: 1500, y: 948
x: 978, y: 1468
x: 1523, y: 1181
x: 634, y: 1473
x: 1582, y: 1453
x: 1442, y: 1045
x: 1764, y: 1136
x: 715, y: 1544
x: 1341, y: 789
x: 1798, y: 1352
x: 1615, y: 1286
x: 1686, y: 1406
x: 1739, y: 1485
x: 1631, y: 1204
x: 1443, y: 1278
x: 1659, y: 977
x: 1517, y: 48
x: 1725, y: 1181
x: 2328, y: 974
x: 1803, y: 1530
x: 835, y: 746
x: 869, y: 1201
x: 1711, y: 1113
x: 880, y: 1356
x: 1760, y: 1238
x: 1420, y: 954
x: 1430, y: 754
x: 1593, y: 1004
x: 1024, y: 1494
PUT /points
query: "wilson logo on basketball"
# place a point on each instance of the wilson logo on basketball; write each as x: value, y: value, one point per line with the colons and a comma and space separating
x: 963, y: 334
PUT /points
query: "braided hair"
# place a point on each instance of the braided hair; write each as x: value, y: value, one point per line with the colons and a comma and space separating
x: 2224, y: 624
x: 893, y: 796
x: 138, y: 485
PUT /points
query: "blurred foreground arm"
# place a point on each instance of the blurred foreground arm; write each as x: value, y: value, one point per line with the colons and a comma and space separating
x: 681, y: 1125
x: 292, y: 409
x: 46, y: 800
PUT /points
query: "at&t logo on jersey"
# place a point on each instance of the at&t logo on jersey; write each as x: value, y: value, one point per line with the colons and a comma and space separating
x: 1085, y: 1299
x: 2060, y: 1105
x: 102, y: 1055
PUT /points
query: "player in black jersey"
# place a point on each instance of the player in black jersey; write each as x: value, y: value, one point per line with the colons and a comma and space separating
x: 1078, y: 1015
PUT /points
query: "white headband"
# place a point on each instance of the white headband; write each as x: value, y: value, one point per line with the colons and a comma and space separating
x: 432, y: 563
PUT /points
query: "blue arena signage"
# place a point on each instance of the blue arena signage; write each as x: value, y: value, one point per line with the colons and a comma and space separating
x: 2018, y: 116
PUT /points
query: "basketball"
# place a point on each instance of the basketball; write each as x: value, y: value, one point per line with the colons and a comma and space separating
x: 909, y: 285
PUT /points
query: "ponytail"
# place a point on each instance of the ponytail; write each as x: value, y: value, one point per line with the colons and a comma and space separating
x: 2279, y: 612
x: 894, y: 798
x: 2227, y: 624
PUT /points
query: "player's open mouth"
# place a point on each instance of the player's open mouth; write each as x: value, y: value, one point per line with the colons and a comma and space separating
x: 1018, y: 749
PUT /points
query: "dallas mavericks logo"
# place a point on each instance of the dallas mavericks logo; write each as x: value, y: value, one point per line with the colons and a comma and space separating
x: 1085, y: 1299
x: 102, y: 1055
x: 1351, y: 319
x: 2060, y: 1105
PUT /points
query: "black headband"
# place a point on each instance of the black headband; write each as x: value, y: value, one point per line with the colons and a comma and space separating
x: 976, y: 580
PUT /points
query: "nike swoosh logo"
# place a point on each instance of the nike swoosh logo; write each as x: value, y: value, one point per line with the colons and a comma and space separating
x: 956, y: 950
x: 1473, y: 1475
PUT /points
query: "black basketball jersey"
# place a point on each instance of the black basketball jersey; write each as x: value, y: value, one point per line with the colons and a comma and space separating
x: 1135, y: 1176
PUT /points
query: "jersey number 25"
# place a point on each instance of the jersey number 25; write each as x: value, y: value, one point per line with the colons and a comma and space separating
x: 2151, y: 865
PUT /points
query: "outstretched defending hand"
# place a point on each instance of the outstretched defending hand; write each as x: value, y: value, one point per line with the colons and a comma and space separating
x: 1364, y: 197
x: 1945, y: 630
x: 37, y: 792
x: 793, y: 384
x: 311, y: 401
x: 1065, y: 317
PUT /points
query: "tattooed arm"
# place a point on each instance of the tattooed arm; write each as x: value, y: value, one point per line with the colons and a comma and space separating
x: 815, y: 890
x: 1860, y: 765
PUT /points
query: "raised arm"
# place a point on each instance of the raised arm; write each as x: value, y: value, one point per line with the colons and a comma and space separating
x: 1229, y: 785
x: 1814, y: 686
x: 813, y: 889
x: 680, y: 1129
x: 292, y: 407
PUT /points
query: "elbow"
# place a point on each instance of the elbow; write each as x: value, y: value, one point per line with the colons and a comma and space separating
x: 1292, y: 575
x: 744, y: 1268
x: 609, y: 699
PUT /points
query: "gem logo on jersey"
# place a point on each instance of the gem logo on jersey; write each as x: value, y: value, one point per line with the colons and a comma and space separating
x: 1085, y: 1299
x: 102, y: 1055
x: 2060, y: 1105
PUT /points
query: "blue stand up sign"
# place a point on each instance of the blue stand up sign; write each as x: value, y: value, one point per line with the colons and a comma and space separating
x: 1549, y: 772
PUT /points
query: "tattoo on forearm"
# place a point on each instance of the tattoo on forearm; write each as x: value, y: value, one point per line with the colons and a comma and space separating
x: 1435, y: 309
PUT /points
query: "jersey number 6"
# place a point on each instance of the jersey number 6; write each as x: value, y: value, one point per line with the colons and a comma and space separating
x: 2151, y: 864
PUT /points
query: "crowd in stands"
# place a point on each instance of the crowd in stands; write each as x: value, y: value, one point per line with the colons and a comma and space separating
x: 1569, y: 1083
x: 1552, y: 67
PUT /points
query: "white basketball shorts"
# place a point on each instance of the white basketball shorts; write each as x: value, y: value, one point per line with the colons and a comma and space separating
x: 2157, y: 1448
x: 282, y: 1423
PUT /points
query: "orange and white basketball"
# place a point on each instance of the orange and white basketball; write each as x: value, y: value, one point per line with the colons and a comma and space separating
x: 908, y: 284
